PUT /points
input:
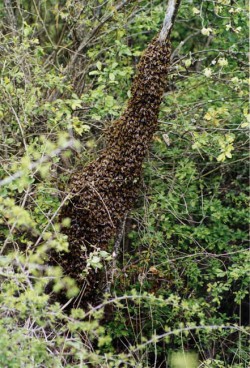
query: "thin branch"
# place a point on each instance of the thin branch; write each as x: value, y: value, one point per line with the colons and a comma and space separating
x: 157, y: 338
x: 103, y: 202
x: 51, y: 219
x: 33, y: 165
x: 116, y: 250
x: 43, y: 23
x: 11, y: 15
x: 105, y: 19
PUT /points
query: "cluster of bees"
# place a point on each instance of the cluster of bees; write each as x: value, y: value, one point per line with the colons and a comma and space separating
x: 105, y: 190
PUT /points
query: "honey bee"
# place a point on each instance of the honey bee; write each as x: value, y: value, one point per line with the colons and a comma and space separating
x: 107, y: 188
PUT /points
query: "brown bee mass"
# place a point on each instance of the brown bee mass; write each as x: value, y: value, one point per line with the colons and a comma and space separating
x: 106, y: 189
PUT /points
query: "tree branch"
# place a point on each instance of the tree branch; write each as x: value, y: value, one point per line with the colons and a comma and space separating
x: 105, y: 19
x: 10, y: 15
x: 33, y: 165
x: 169, y: 19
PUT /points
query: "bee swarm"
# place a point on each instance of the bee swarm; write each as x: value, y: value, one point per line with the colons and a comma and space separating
x: 106, y: 189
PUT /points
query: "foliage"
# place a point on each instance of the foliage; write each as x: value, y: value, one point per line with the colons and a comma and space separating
x: 181, y: 283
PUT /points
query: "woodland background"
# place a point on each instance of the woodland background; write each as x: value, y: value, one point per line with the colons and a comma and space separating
x: 179, y: 297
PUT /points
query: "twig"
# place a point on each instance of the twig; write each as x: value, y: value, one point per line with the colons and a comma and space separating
x: 71, y: 143
x: 84, y: 43
x: 52, y: 218
x: 119, y: 237
x: 21, y: 129
x: 191, y: 328
x: 7, y: 240
x: 116, y: 249
x: 43, y: 23
x: 11, y: 15
x: 104, y: 204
